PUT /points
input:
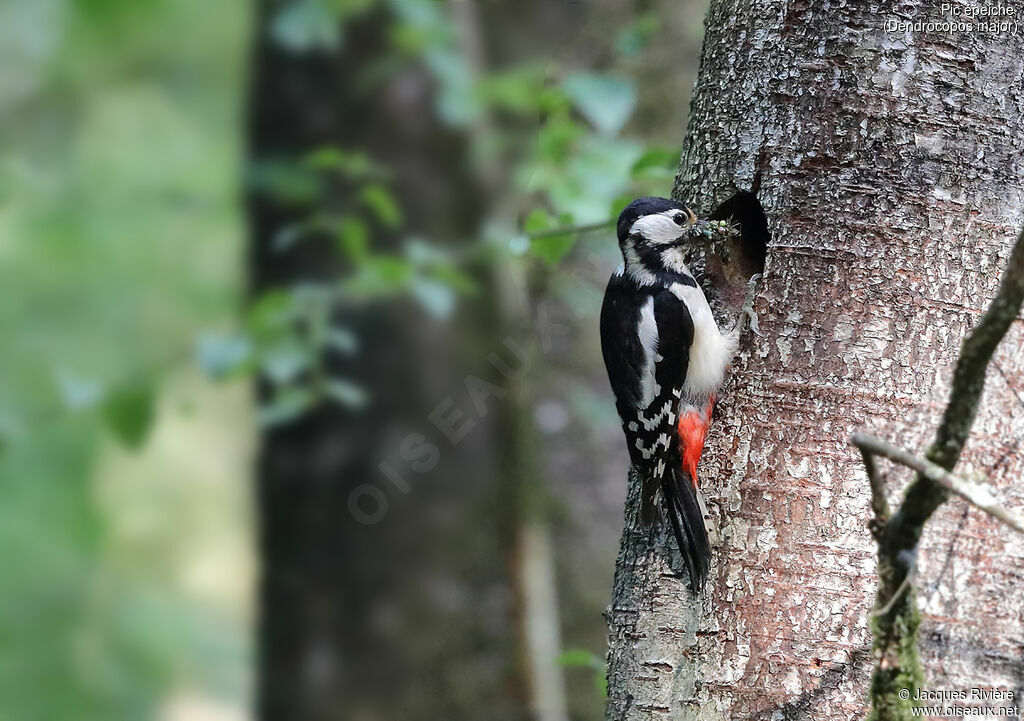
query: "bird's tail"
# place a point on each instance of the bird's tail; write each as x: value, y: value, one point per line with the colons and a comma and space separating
x: 684, y: 509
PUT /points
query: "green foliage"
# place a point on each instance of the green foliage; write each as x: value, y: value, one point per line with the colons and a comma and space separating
x: 306, y: 25
x: 121, y: 248
x: 129, y: 411
x: 575, y: 168
x: 606, y: 101
x: 547, y: 244
x: 658, y: 163
x: 578, y: 658
x: 382, y: 205
x: 78, y: 392
x: 635, y: 37
x: 581, y: 168
x: 224, y: 356
x: 119, y: 241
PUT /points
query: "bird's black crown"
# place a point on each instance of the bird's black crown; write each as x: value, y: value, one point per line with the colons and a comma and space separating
x: 641, y: 207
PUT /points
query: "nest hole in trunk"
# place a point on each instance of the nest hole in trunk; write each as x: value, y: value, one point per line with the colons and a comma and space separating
x: 724, y: 274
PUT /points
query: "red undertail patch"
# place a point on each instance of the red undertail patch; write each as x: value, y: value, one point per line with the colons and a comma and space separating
x: 693, y: 429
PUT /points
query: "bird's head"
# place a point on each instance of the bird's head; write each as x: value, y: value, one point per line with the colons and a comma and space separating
x: 656, y: 233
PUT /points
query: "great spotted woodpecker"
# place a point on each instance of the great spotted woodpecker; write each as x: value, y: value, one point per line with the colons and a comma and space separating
x: 666, y: 359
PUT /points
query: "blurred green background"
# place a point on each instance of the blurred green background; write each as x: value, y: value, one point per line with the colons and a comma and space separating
x: 156, y: 262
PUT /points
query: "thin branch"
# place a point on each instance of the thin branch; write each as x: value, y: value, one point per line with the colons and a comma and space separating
x: 978, y: 348
x: 896, y: 620
x: 570, y: 230
x: 925, y: 494
x: 973, y: 494
x: 879, y: 504
x: 896, y: 596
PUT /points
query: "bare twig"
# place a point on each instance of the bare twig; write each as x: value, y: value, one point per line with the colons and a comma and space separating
x: 925, y: 494
x: 878, y: 502
x: 896, y: 596
x: 896, y: 618
x: 977, y: 496
x: 570, y: 230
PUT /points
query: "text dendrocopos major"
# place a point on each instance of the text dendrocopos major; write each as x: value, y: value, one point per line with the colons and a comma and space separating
x: 666, y: 359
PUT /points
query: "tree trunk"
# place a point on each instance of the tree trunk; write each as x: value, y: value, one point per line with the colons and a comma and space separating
x: 889, y: 167
x: 399, y: 612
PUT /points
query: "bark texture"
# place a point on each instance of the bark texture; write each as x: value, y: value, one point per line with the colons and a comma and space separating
x: 889, y: 167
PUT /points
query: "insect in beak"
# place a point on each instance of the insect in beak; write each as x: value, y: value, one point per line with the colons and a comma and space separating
x: 704, y: 232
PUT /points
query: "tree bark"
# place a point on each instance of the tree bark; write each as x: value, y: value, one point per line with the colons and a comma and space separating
x: 889, y: 167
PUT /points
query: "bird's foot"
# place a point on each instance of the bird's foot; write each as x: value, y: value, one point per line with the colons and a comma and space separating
x: 748, y: 306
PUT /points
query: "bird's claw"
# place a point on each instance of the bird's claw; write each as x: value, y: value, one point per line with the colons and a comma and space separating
x: 748, y: 305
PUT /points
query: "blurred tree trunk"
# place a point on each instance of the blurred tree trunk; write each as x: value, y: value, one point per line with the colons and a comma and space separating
x: 401, y: 617
x: 411, y: 616
x: 889, y: 168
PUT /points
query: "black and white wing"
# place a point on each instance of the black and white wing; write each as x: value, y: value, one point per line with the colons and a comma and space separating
x: 646, y: 334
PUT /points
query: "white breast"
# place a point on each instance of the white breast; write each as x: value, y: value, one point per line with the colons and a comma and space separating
x: 711, y: 351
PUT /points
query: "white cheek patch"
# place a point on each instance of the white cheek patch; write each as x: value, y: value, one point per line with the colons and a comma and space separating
x: 658, y: 229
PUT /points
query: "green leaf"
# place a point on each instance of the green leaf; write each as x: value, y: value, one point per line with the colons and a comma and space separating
x: 619, y: 204
x: 552, y: 248
x: 129, y: 412
x: 601, y: 172
x: 436, y: 298
x: 383, y: 205
x: 421, y: 252
x: 348, y: 163
x: 78, y: 392
x: 518, y: 90
x: 285, y: 361
x: 454, y: 278
x: 518, y: 245
x: 288, y: 236
x: 353, y: 237
x: 606, y: 101
x: 379, y: 276
x: 328, y: 157
x: 342, y: 340
x: 635, y: 37
x: 286, y: 406
x: 585, y: 659
x: 285, y: 182
x: 304, y: 26
x: 223, y: 356
x: 538, y: 220
x: 556, y: 139
x: 656, y: 159
x: 578, y: 657
x: 456, y: 101
x: 345, y: 393
x: 271, y: 313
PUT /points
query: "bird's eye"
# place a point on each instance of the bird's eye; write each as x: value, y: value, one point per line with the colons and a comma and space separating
x: 680, y: 219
